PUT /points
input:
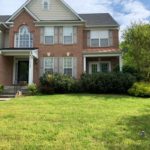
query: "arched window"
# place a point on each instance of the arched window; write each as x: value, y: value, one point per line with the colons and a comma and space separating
x: 24, y: 39
x: 45, y: 4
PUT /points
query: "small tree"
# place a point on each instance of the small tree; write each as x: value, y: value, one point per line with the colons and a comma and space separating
x: 136, y: 47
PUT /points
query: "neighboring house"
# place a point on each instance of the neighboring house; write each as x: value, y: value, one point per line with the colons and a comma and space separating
x: 48, y: 36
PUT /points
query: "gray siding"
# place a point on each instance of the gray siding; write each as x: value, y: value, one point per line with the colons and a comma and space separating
x: 57, y: 11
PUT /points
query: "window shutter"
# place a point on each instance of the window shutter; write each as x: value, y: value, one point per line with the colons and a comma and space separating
x: 74, y: 67
x: 75, y: 35
x: 88, y: 38
x: 61, y: 35
x: 61, y: 67
x: 110, y: 38
x: 41, y: 66
x: 42, y: 35
x: 56, y: 65
x: 56, y: 32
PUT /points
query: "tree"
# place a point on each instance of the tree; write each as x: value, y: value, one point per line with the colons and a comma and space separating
x: 136, y: 48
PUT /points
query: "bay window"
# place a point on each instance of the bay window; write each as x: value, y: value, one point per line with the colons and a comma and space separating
x: 68, y: 66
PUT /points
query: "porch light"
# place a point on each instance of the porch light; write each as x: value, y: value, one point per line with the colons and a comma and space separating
x: 48, y: 54
x: 68, y: 54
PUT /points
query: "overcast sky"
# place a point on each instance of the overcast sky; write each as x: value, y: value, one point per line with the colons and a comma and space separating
x: 124, y: 11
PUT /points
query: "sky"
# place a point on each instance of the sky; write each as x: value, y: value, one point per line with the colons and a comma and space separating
x: 124, y: 11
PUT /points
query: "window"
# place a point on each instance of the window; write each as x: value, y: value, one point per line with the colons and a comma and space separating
x: 68, y: 66
x: 104, y: 67
x: 49, y: 65
x: 45, y: 4
x: 23, y: 39
x: 101, y: 66
x: 68, y: 35
x: 49, y: 35
x: 94, y: 68
x: 99, y: 38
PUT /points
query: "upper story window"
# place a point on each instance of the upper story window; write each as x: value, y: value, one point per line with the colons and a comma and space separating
x: 99, y: 38
x: 23, y: 39
x: 45, y: 4
x: 49, y: 35
x: 68, y: 35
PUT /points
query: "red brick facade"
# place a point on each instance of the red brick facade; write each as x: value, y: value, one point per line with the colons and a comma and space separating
x: 56, y: 50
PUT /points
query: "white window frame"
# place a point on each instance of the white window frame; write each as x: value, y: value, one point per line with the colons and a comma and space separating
x: 17, y: 42
x: 67, y: 67
x: 49, y: 35
x: 98, y: 63
x: 99, y: 32
x: 48, y: 2
x: 45, y: 58
x: 67, y: 27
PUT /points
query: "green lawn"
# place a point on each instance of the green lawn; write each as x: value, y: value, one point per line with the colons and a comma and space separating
x: 75, y: 122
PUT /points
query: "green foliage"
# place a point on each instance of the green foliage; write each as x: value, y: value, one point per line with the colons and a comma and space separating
x: 140, y: 89
x: 136, y: 46
x: 1, y: 88
x: 107, y: 83
x: 57, y: 83
x: 32, y: 89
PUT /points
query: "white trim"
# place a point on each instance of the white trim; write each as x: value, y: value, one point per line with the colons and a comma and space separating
x: 102, y: 55
x: 31, y: 69
x: 84, y: 64
x: 120, y: 63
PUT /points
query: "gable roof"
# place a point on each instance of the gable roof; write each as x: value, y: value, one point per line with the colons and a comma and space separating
x: 28, y: 1
x: 99, y: 19
x: 4, y: 18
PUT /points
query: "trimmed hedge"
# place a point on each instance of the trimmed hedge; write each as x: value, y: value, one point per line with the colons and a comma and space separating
x: 140, y: 89
x: 116, y: 83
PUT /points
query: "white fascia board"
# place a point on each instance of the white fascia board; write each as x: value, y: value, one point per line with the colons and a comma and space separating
x: 103, y: 55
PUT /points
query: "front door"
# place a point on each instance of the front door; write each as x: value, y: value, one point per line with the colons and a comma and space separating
x: 23, y: 71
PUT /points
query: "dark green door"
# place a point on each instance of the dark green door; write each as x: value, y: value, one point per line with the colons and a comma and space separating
x: 23, y: 71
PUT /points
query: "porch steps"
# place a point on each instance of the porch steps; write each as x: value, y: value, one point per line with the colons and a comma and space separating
x: 12, y: 90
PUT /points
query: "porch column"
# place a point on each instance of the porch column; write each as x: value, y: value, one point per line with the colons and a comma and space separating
x: 31, y: 69
x: 84, y: 64
x: 121, y: 63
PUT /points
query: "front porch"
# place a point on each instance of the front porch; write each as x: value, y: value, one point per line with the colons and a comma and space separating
x: 21, y: 66
x: 102, y: 62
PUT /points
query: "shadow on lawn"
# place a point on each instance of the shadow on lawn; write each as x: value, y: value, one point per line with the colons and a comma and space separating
x: 130, y: 136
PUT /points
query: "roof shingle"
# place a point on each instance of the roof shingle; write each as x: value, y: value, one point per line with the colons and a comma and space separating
x: 99, y: 19
x: 4, y: 18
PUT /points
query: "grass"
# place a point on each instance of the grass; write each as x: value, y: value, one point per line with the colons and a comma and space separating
x: 75, y: 122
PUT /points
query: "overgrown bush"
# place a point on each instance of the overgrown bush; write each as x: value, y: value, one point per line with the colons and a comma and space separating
x: 32, y: 89
x: 57, y: 83
x: 117, y: 83
x: 140, y: 89
x: 1, y: 88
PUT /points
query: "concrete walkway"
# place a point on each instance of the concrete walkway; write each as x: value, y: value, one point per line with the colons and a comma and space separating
x: 5, y: 99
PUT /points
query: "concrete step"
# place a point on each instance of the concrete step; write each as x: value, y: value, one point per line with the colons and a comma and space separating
x: 12, y: 90
x: 7, y: 96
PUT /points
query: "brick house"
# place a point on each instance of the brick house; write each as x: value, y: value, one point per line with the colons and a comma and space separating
x: 49, y: 36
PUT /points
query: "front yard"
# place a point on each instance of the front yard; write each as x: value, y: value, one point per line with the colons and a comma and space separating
x: 75, y: 122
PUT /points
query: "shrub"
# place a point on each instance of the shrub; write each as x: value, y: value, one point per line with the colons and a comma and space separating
x: 57, y: 83
x: 117, y: 83
x: 32, y: 89
x: 1, y: 88
x: 140, y: 89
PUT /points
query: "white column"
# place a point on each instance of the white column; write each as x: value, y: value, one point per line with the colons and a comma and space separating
x: 31, y: 69
x: 84, y: 64
x: 121, y: 63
